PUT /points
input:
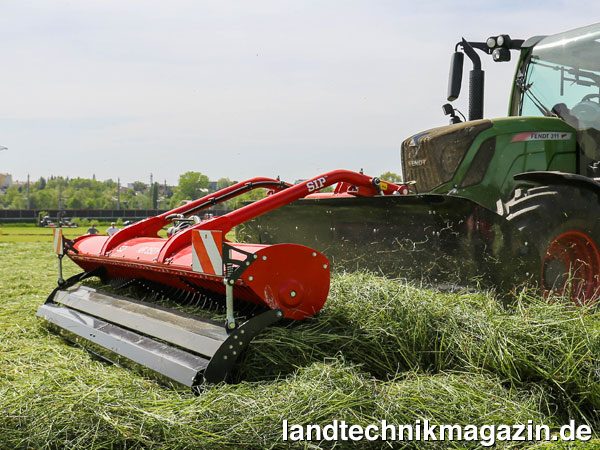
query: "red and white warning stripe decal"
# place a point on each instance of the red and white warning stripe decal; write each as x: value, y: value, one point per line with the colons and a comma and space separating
x: 529, y: 136
x: 58, y: 242
x: 207, y: 252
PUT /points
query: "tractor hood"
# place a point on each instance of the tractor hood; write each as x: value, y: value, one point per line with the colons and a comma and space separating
x: 431, y: 158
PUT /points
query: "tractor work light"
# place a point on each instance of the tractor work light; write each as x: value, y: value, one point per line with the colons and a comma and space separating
x: 501, y: 54
x: 501, y: 41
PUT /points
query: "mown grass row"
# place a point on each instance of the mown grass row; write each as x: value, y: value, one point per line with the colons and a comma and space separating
x: 380, y: 349
x: 388, y: 326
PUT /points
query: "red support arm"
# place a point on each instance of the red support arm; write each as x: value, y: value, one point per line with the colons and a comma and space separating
x: 152, y: 225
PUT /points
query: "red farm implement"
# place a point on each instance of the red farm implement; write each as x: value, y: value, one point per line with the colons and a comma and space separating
x: 196, y: 264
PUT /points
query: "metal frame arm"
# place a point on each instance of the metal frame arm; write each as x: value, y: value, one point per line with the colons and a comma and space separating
x: 225, y: 223
x: 151, y: 226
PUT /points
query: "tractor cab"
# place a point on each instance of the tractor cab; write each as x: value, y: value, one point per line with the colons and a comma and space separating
x: 554, y: 123
x: 559, y: 76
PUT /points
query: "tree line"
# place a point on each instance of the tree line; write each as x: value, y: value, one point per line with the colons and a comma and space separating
x: 86, y: 193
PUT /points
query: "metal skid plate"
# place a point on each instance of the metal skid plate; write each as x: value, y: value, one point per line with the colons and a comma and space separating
x: 184, y: 330
x: 190, y: 350
x: 169, y: 361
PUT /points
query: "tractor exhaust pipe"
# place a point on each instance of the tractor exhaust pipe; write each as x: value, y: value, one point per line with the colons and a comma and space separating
x: 476, y: 80
x: 476, y: 77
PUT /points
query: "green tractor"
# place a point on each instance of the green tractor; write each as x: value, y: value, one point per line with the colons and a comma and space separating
x: 497, y: 201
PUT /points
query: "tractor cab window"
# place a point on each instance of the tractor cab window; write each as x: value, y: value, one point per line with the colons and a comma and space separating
x: 562, y: 79
x: 551, y: 90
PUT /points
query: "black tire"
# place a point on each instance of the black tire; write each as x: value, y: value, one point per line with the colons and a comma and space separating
x: 563, y: 224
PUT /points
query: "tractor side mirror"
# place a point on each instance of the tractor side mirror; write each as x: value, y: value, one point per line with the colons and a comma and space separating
x: 455, y: 78
x: 449, y: 110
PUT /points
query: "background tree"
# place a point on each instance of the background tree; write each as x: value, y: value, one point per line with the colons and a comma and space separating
x: 139, y: 186
x: 191, y: 186
x: 155, y: 196
x: 391, y: 177
x: 40, y: 184
x: 223, y: 183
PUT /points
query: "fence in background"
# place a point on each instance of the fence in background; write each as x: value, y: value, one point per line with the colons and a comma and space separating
x: 105, y: 215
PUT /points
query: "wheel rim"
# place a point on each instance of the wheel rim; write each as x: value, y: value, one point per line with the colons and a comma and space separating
x: 571, y: 267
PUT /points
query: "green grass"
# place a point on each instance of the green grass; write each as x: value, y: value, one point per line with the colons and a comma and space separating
x: 380, y: 349
x: 31, y: 233
x: 23, y: 233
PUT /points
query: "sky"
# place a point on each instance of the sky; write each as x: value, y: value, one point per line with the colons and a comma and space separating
x: 238, y: 89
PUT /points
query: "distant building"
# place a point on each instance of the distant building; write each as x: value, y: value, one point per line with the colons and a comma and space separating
x: 132, y: 186
x: 6, y: 180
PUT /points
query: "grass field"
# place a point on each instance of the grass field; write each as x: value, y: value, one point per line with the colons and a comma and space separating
x: 12, y: 233
x: 380, y: 349
x: 32, y: 233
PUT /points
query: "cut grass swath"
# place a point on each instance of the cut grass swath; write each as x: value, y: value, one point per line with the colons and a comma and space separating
x: 381, y: 349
